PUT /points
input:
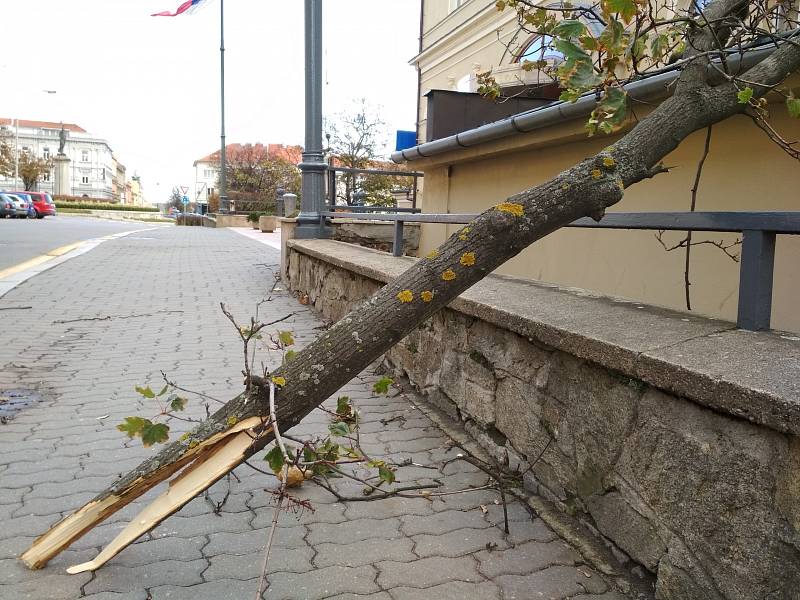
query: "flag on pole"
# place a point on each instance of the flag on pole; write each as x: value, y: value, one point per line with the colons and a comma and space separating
x: 187, y: 7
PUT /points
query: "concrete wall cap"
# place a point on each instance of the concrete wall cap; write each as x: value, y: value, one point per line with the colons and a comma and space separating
x: 748, y: 375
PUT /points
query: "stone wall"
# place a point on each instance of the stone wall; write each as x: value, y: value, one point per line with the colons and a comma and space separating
x: 696, y: 488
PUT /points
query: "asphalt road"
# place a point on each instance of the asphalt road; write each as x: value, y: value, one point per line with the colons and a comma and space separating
x: 23, y: 239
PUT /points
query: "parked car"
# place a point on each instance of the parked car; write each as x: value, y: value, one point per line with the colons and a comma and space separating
x: 20, y: 206
x: 28, y: 203
x: 7, y: 207
x: 41, y: 202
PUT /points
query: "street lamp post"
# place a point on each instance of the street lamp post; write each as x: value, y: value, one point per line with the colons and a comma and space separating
x: 313, y: 166
x: 223, y: 176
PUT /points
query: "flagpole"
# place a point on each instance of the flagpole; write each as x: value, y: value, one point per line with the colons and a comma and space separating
x: 223, y: 183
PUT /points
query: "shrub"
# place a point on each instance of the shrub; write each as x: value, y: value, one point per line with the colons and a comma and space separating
x: 95, y: 204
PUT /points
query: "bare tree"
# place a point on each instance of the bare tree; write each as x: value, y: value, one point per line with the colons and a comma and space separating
x: 357, y: 137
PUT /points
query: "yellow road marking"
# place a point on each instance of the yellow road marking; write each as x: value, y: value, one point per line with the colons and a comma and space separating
x: 38, y: 260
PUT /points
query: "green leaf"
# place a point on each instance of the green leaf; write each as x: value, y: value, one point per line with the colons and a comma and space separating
x: 163, y: 390
x: 133, y: 426
x: 290, y: 354
x: 275, y: 459
x: 145, y: 391
x: 339, y: 429
x: 745, y: 95
x: 578, y: 75
x: 793, y: 104
x: 639, y: 47
x: 612, y: 38
x: 569, y: 29
x: 569, y: 95
x: 610, y: 113
x: 155, y: 433
x: 659, y: 46
x: 382, y: 385
x: 177, y: 403
x: 343, y: 407
x: 286, y: 338
x: 570, y: 50
x: 386, y: 474
x: 626, y: 8
x: 309, y: 455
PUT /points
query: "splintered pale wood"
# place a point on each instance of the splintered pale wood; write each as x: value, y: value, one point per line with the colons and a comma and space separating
x: 197, y: 477
x: 69, y: 529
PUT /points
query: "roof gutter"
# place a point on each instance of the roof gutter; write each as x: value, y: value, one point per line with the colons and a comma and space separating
x: 651, y: 87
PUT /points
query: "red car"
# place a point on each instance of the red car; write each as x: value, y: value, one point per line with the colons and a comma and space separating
x: 42, y: 203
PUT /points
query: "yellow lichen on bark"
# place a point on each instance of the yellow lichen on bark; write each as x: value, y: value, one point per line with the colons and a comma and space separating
x: 512, y: 208
x: 405, y: 296
x: 449, y: 275
x: 596, y: 173
x: 432, y: 254
x: 426, y: 296
x: 467, y: 259
x: 608, y: 161
x: 279, y: 381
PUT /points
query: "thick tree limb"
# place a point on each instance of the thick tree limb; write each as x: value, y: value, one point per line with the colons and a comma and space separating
x: 340, y: 353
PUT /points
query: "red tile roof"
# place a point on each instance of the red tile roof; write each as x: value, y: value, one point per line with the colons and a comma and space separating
x: 292, y: 154
x: 43, y: 125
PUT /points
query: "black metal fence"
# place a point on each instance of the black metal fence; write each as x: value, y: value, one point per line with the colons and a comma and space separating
x: 354, y: 195
x: 758, y: 229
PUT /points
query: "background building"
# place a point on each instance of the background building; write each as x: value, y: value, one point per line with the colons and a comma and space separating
x: 92, y: 166
x: 745, y: 171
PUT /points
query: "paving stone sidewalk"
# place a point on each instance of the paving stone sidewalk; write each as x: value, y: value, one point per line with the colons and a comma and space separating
x: 106, y: 321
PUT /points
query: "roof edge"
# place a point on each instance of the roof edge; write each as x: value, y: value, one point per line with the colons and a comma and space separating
x: 650, y: 87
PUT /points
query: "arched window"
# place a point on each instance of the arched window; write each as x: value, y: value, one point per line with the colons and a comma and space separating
x: 540, y: 48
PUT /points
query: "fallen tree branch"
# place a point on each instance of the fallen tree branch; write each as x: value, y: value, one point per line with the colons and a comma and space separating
x: 237, y: 431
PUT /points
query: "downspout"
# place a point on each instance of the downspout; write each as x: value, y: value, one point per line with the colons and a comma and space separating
x: 419, y: 71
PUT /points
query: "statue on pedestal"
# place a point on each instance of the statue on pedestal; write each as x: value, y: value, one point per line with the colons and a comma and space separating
x: 62, y: 140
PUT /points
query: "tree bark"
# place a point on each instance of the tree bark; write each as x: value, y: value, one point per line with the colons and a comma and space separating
x: 340, y: 353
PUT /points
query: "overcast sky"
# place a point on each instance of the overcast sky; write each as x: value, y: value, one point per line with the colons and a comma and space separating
x: 150, y: 85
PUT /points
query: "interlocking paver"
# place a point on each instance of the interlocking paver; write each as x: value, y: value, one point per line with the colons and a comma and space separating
x: 455, y: 590
x: 459, y: 542
x: 443, y: 522
x: 55, y: 455
x: 364, y: 552
x: 165, y: 572
x: 524, y: 559
x: 554, y: 582
x: 427, y: 572
x: 322, y: 583
x: 247, y: 566
x: 353, y: 531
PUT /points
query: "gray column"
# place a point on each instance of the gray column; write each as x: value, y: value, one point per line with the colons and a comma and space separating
x: 313, y: 166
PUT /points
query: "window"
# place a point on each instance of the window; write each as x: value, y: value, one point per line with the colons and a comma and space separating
x: 540, y: 48
x: 104, y: 174
x: 454, y: 4
x: 46, y: 177
x: 208, y: 173
x: 46, y: 153
x: 84, y: 177
x: 84, y: 156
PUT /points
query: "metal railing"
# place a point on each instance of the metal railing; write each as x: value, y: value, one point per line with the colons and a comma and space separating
x: 758, y: 229
x: 332, y: 188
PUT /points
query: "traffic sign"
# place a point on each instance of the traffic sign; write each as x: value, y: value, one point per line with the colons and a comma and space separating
x: 185, y: 200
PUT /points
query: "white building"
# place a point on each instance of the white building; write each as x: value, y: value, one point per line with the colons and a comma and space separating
x: 92, y: 167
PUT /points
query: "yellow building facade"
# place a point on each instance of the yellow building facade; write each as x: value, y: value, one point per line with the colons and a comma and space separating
x: 744, y: 171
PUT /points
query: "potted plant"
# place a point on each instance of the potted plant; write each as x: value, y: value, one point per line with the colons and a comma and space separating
x: 267, y: 223
x: 252, y: 218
